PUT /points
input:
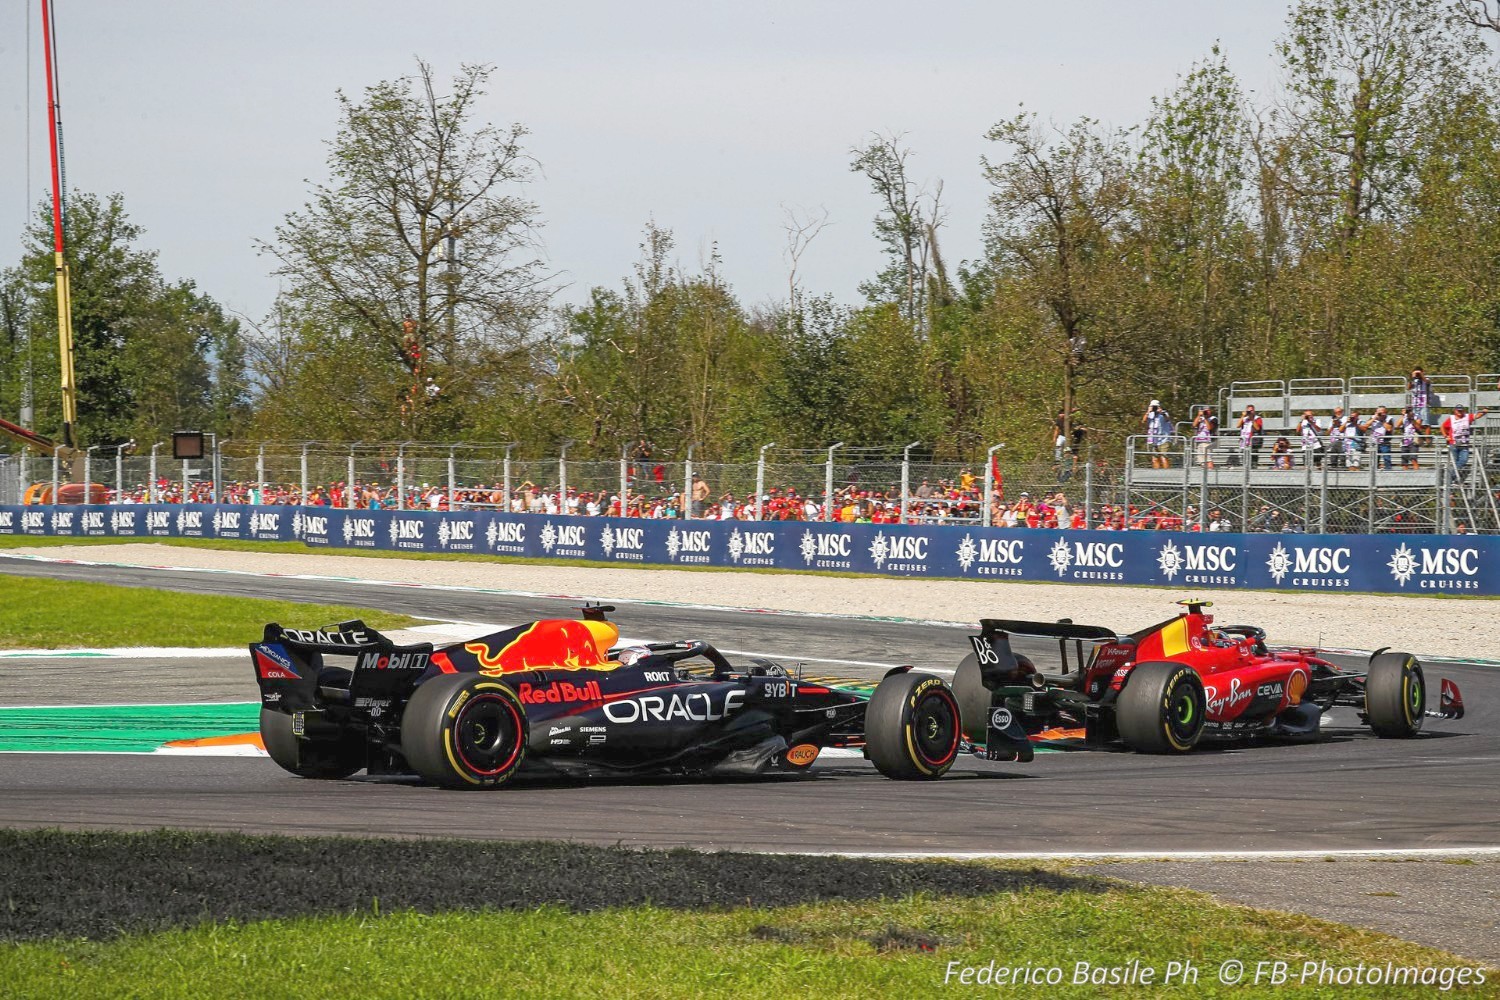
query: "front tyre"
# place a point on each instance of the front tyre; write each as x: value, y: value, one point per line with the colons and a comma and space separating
x: 1162, y: 709
x: 464, y: 731
x: 337, y: 757
x: 912, y: 727
x: 1395, y: 696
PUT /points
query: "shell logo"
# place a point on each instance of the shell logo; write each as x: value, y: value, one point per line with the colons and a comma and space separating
x: 1296, y: 687
x: 802, y: 755
x: 554, y: 644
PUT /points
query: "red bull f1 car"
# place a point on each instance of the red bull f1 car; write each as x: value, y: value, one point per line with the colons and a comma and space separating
x: 563, y: 696
x: 1165, y: 688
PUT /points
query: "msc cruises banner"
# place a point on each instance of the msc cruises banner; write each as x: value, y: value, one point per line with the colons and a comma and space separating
x: 1467, y: 564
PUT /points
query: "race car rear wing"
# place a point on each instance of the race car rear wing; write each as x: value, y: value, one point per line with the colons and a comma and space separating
x: 289, y: 661
x: 998, y: 664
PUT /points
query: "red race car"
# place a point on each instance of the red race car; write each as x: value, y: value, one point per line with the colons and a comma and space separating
x: 1164, y: 688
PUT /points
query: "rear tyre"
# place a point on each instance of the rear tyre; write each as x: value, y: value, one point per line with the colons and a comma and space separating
x: 1162, y: 708
x: 1395, y: 696
x: 912, y: 727
x: 464, y: 731
x: 317, y: 758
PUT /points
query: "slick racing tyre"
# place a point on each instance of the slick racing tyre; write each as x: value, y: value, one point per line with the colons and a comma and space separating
x: 1162, y: 708
x: 912, y: 727
x: 464, y: 731
x: 1395, y: 696
x: 974, y: 698
x: 338, y: 757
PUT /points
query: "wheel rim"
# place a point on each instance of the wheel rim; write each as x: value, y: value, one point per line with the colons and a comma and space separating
x: 1184, y: 712
x: 1416, y: 695
x: 487, y: 734
x: 934, y: 724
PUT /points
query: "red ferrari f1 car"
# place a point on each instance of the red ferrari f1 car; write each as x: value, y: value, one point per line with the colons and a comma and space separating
x: 1165, y: 688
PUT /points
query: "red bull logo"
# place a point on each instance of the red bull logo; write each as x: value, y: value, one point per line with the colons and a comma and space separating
x: 555, y: 644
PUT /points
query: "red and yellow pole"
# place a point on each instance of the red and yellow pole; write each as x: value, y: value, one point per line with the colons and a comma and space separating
x: 60, y: 264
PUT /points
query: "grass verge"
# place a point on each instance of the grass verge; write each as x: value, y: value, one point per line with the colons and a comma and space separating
x: 56, y: 614
x: 900, y: 946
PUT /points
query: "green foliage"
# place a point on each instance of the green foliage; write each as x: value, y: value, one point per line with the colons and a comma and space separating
x: 150, y: 356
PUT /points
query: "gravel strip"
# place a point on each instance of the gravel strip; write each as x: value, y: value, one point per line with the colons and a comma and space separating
x: 1429, y: 625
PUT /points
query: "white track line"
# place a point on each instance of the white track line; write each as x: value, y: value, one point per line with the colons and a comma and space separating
x: 1342, y: 854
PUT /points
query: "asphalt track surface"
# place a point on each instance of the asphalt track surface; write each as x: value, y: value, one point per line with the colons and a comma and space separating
x: 1352, y: 791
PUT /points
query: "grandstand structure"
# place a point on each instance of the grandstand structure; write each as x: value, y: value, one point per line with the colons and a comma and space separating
x: 1319, y: 490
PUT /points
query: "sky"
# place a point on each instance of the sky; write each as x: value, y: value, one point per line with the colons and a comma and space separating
x: 710, y: 118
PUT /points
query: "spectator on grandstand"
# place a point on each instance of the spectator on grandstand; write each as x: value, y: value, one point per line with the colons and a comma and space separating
x: 1203, y: 438
x: 699, y: 495
x: 1334, y: 450
x: 1354, y: 444
x: 1158, y: 425
x: 1458, y: 428
x: 1281, y: 452
x: 1411, y: 436
x: 1312, y: 439
x: 1378, y: 433
x: 1252, y: 431
x: 1419, y: 397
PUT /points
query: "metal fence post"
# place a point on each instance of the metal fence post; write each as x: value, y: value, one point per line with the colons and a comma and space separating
x: 1202, y: 496
x: 687, y: 483
x: 88, y: 473
x: 562, y: 478
x: 1244, y: 490
x: 989, y: 485
x: 1323, y: 501
x: 828, y: 483
x: 55, y: 472
x: 349, y: 483
x: 119, y: 472
x: 401, y: 476
x: 624, y: 479
x: 505, y: 475
x: 1088, y: 494
x: 452, y: 480
x: 1370, y: 512
x: 906, y: 477
x: 1445, y: 500
x: 260, y: 475
x: 214, y: 472
x: 760, y: 479
x: 302, y: 495
x: 153, y: 493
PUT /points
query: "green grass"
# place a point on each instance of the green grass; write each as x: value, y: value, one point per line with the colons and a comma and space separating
x: 55, y: 614
x: 896, y: 948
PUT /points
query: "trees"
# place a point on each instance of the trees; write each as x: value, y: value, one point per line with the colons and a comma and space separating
x: 151, y: 357
x: 1059, y: 203
x: 419, y: 252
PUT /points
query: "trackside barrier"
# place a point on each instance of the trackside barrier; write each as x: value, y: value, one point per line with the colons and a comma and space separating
x: 1466, y: 564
